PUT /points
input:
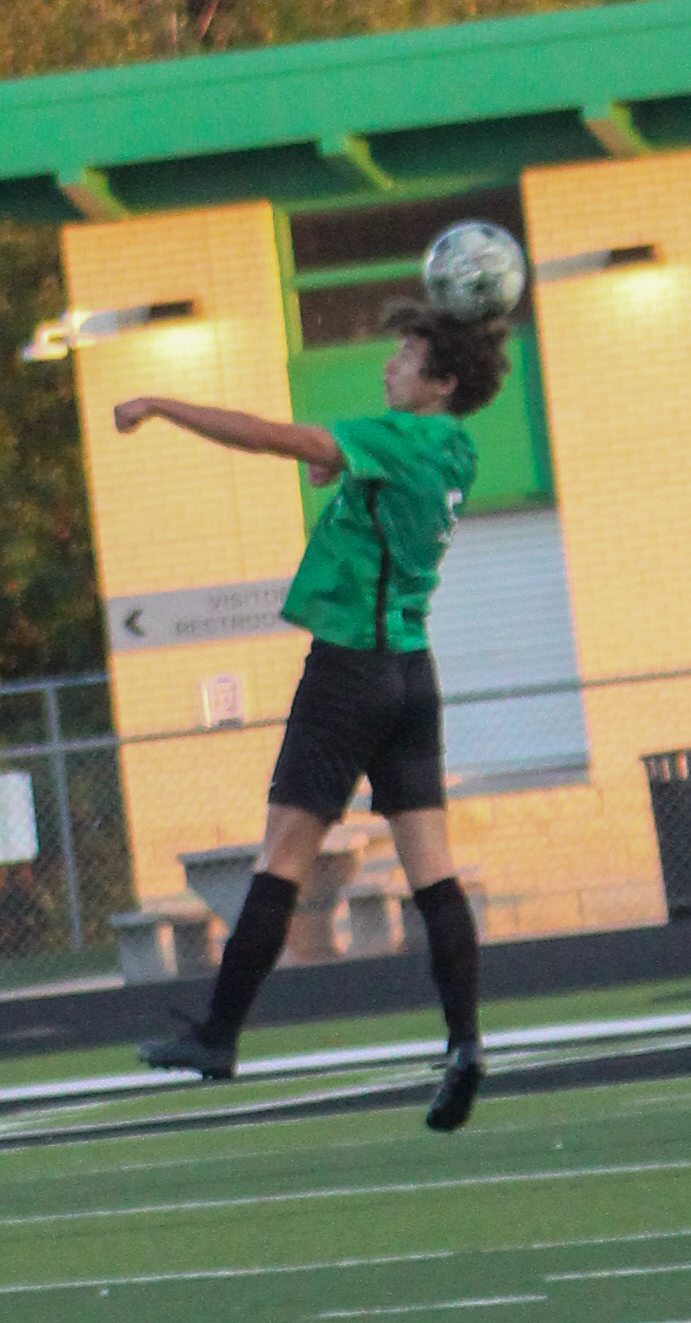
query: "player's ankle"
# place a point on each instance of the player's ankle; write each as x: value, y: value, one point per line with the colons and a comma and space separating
x: 215, y: 1033
x: 467, y: 1043
x: 462, y: 1035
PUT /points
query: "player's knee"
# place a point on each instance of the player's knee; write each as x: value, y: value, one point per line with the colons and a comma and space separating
x: 292, y: 842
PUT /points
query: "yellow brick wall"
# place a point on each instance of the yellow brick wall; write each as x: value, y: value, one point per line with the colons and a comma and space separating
x: 171, y: 511
x: 616, y: 351
x: 616, y: 358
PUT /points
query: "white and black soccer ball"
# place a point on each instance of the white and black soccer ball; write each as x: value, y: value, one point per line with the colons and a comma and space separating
x: 474, y: 269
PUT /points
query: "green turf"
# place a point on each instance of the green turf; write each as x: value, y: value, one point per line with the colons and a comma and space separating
x: 653, y: 998
x: 592, y: 1165
x: 207, y: 1098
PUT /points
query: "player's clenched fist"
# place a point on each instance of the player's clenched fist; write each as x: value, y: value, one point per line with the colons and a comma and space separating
x: 131, y: 413
x: 320, y: 475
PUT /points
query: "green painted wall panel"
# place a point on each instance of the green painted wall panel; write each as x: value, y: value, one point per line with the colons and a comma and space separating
x: 328, y: 384
x: 510, y: 436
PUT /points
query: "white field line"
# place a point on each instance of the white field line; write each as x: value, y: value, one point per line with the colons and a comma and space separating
x: 506, y: 1062
x: 16, y: 1123
x: 678, y: 1097
x: 85, y: 1173
x: 626, y: 1239
x: 383, y: 1054
x: 345, y: 1192
x: 681, y: 1095
x: 617, y: 1272
x: 221, y: 1274
x: 268, y: 1067
x: 16, y: 1120
x: 550, y: 1034
x: 396, y: 1310
x: 253, y: 1110
x: 241, y: 1155
x: 26, y: 1121
x: 120, y: 1137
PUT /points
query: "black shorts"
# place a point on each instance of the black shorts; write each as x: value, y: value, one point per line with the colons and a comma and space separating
x: 356, y: 712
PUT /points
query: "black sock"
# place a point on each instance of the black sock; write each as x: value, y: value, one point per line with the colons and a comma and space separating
x: 250, y: 952
x: 454, y: 950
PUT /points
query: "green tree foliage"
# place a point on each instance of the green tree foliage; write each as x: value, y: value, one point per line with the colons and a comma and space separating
x: 43, y: 36
x: 40, y: 36
x: 49, y: 613
x: 275, y: 22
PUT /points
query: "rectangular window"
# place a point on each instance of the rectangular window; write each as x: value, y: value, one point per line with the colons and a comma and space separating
x: 350, y: 312
x: 395, y: 229
x: 340, y: 299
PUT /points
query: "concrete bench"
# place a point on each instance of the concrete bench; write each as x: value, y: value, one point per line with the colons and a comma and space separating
x: 311, y: 935
x: 383, y: 915
x: 375, y: 920
x: 374, y: 901
x: 165, y: 943
x: 414, y: 931
x: 221, y: 878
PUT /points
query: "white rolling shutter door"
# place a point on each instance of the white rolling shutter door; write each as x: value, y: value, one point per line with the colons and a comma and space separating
x: 501, y: 618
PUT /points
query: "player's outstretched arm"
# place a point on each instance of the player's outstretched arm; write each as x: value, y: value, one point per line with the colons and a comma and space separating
x: 244, y: 431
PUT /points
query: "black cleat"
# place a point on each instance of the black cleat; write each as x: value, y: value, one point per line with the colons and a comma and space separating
x: 187, y: 1051
x: 453, y: 1101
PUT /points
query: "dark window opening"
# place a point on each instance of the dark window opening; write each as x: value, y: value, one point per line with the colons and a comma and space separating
x: 396, y: 229
x: 347, y: 313
x: 342, y: 314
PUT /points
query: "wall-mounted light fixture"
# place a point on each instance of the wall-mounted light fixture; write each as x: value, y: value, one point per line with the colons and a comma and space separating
x: 587, y: 264
x: 74, y: 330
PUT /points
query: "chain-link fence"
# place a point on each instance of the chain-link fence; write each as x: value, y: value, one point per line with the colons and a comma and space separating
x: 64, y: 864
x: 93, y: 826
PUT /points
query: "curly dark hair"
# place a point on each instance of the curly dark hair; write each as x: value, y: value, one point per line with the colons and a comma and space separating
x: 472, y: 352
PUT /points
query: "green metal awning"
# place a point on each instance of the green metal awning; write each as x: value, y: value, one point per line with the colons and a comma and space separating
x: 440, y: 110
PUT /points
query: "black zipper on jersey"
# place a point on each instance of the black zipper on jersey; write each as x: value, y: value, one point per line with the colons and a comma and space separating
x: 373, y: 488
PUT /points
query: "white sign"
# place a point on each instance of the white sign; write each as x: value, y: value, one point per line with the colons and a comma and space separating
x: 221, y: 701
x: 18, y: 834
x: 196, y: 615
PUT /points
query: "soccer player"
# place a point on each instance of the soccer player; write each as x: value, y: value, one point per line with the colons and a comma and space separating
x: 368, y: 700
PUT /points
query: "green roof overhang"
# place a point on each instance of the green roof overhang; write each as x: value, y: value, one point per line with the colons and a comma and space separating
x: 442, y: 109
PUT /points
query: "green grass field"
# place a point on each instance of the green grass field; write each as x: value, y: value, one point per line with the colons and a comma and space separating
x: 572, y: 1206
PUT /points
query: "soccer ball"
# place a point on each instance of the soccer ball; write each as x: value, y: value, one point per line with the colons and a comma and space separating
x: 474, y: 269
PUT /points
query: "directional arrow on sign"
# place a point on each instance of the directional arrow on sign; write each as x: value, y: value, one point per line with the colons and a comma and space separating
x: 196, y: 615
x: 132, y: 622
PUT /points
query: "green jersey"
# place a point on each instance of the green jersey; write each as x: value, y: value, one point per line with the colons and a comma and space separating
x: 373, y: 558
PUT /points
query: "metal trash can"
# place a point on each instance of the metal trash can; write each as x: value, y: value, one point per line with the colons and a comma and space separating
x: 669, y: 779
